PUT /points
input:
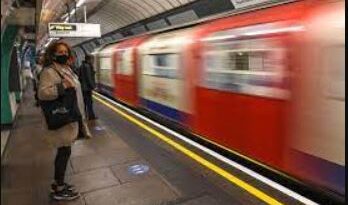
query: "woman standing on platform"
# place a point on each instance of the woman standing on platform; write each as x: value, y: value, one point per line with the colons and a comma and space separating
x: 56, y: 79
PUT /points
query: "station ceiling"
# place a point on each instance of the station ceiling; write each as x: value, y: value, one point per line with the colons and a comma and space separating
x: 110, y: 14
x: 117, y: 18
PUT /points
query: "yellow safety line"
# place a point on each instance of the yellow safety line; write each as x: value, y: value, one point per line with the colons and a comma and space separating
x: 252, y: 190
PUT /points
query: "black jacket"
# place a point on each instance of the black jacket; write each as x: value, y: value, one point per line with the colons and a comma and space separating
x: 86, y: 76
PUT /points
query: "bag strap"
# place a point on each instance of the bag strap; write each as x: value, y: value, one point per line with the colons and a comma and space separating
x: 60, y: 75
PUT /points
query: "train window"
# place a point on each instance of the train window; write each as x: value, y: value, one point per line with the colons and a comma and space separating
x: 124, y: 64
x: 236, y: 61
x: 162, y: 65
x: 161, y: 60
x: 244, y: 66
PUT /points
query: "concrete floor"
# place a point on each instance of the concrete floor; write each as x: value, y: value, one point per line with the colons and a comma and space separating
x: 100, y: 168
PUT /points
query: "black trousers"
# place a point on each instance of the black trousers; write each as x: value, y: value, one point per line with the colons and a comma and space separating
x: 87, y: 98
x: 80, y: 135
x: 60, y: 164
x: 35, y: 88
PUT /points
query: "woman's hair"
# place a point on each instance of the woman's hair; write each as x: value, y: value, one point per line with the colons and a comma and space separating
x: 50, y: 51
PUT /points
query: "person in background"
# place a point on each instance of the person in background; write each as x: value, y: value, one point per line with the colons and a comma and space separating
x: 36, y: 73
x: 72, y: 64
x: 87, y: 79
x: 57, y: 76
x: 27, y: 73
x: 83, y: 127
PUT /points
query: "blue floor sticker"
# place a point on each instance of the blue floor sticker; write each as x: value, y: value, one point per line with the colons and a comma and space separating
x: 99, y: 128
x: 138, y: 169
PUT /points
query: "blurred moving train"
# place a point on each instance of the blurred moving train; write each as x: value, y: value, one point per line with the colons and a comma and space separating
x: 268, y: 84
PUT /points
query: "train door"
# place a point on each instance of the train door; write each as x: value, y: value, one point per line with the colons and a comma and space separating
x: 162, y: 84
x: 318, y: 136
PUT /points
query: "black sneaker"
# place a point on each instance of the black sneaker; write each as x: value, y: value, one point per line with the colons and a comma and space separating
x: 81, y: 135
x: 67, y: 186
x: 65, y: 195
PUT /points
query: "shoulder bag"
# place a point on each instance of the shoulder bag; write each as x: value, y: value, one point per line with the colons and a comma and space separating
x: 61, y: 111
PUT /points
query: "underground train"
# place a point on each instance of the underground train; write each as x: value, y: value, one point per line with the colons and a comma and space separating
x: 267, y: 84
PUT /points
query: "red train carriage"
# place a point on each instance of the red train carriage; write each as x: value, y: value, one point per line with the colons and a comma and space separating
x: 231, y: 81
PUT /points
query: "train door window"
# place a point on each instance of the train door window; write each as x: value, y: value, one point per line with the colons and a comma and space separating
x: 105, y: 63
x: 105, y: 70
x: 246, y: 66
x: 162, y: 65
x: 124, y: 65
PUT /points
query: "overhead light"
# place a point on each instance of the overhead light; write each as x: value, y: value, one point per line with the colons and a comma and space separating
x: 80, y: 3
x: 64, y: 16
x: 50, y: 41
x: 73, y: 11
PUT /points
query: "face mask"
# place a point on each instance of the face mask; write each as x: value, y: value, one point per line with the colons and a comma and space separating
x: 61, y: 59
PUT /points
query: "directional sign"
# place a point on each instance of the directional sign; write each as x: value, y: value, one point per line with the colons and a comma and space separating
x: 73, y: 30
x: 61, y: 28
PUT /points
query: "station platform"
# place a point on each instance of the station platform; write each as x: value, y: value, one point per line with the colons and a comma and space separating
x: 122, y: 164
